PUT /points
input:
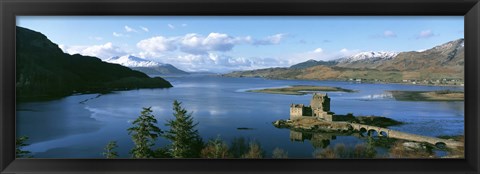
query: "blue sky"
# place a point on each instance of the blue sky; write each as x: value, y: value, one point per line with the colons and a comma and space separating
x: 223, y: 44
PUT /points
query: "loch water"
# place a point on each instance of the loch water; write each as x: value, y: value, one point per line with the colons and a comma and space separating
x: 79, y: 126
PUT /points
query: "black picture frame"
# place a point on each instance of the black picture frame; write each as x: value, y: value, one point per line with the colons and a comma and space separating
x: 470, y: 9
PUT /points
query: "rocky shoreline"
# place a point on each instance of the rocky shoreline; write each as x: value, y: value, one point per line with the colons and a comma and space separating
x: 313, y: 124
x: 340, y: 123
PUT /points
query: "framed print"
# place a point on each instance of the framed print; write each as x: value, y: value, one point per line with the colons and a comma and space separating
x: 239, y: 86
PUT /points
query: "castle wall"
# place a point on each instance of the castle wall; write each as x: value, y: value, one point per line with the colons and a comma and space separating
x: 323, y: 115
x: 296, y: 136
x: 319, y: 107
x: 295, y: 112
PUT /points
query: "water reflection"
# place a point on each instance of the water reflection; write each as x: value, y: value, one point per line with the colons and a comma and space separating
x: 324, y: 139
x: 318, y: 140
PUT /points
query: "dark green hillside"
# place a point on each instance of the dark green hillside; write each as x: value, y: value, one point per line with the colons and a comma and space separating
x: 166, y: 69
x: 312, y: 63
x: 44, y: 71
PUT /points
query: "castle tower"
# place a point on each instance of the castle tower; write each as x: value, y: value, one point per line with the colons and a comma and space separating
x: 320, y: 102
x: 296, y: 111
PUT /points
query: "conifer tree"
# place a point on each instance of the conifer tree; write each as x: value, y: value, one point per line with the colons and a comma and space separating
x: 186, y: 141
x: 110, y: 150
x: 19, y: 144
x: 144, y: 133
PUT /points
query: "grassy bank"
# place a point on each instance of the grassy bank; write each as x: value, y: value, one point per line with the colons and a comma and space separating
x: 444, y: 95
x: 300, y: 90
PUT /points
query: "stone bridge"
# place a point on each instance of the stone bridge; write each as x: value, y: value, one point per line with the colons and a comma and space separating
x: 405, y: 136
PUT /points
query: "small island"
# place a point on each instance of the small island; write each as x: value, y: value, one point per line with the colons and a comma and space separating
x: 317, y: 118
x: 443, y: 95
x: 300, y: 90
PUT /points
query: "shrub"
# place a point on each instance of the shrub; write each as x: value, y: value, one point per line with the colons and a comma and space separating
x: 279, y: 153
x: 215, y: 149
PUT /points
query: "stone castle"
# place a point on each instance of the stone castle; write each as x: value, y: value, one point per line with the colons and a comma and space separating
x: 319, y: 108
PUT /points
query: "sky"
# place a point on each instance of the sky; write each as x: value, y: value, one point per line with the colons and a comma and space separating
x: 228, y: 43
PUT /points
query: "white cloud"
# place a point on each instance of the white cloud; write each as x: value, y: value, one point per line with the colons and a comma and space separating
x: 425, y: 34
x: 386, y: 34
x: 129, y: 29
x: 196, y: 52
x: 192, y: 43
x: 389, y: 33
x: 318, y: 50
x: 156, y: 45
x: 144, y: 29
x: 119, y: 34
x: 171, y: 26
x: 104, y: 51
x: 220, y: 62
x: 270, y: 40
x: 223, y: 60
x: 197, y: 44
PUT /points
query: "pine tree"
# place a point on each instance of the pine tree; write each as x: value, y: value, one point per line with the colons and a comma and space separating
x: 144, y: 133
x: 110, y: 150
x: 186, y: 141
x: 19, y: 144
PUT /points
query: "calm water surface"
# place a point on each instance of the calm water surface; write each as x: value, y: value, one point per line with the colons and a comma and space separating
x: 70, y: 128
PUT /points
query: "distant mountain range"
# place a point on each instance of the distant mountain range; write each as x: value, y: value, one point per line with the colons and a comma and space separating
x: 146, y: 66
x: 442, y: 63
x: 366, y: 59
x: 359, y: 60
x: 43, y: 70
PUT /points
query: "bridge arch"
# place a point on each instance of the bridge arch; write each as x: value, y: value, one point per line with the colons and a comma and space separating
x: 383, y: 134
x: 363, y: 131
x: 440, y: 145
x: 372, y: 132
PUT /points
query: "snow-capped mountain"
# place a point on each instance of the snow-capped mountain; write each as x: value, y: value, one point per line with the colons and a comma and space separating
x: 456, y: 45
x: 370, y: 59
x: 449, y: 55
x: 145, y: 66
x: 370, y: 55
x: 132, y: 61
